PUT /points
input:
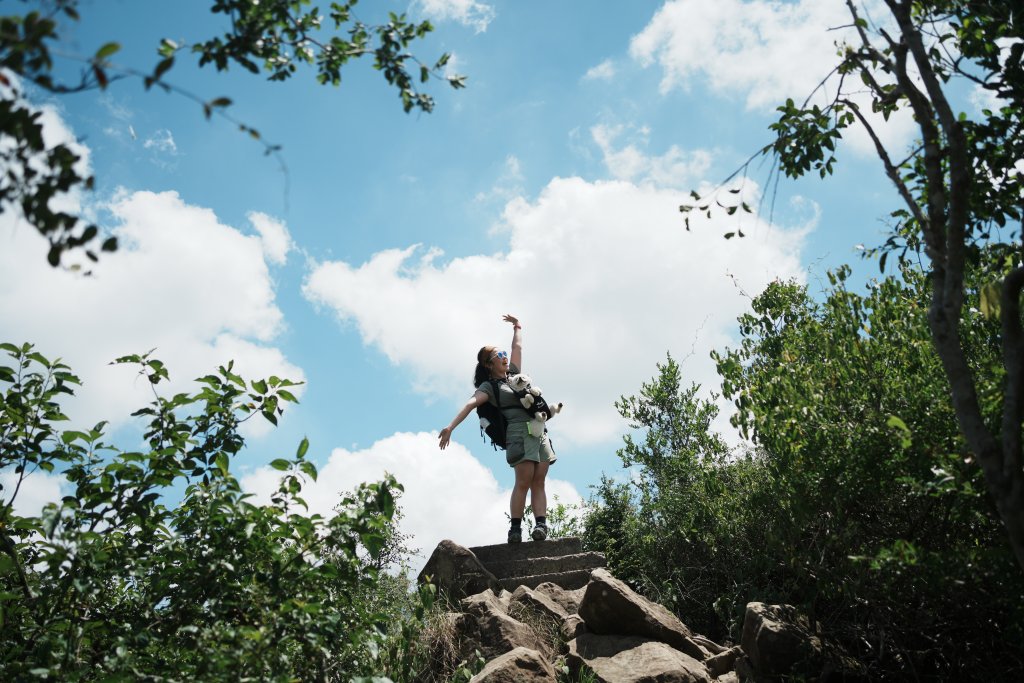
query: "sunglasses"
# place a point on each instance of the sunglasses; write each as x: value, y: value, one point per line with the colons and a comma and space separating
x: 498, y: 354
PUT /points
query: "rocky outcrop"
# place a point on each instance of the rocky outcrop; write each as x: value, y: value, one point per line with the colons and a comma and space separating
x: 609, y: 606
x: 604, y: 630
x: 492, y: 631
x: 629, y: 659
x: 456, y: 572
x: 521, y: 665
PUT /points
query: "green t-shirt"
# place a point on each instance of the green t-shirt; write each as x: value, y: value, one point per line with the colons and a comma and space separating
x: 510, y: 406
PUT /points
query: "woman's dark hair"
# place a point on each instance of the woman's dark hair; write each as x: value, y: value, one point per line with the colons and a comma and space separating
x: 482, y: 372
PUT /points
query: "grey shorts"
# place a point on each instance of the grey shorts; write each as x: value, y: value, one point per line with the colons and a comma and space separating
x: 521, y: 446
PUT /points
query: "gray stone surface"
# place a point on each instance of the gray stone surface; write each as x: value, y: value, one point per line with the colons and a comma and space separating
x: 494, y: 631
x: 456, y: 571
x: 723, y: 662
x: 521, y: 665
x: 629, y: 659
x: 539, y: 603
x: 568, y: 599
x: 609, y: 606
x: 509, y: 552
x: 546, y: 565
x: 567, y: 580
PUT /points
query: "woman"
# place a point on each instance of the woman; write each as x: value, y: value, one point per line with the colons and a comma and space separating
x: 529, y: 454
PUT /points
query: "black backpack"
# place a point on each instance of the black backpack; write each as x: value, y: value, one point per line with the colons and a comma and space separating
x: 492, y: 420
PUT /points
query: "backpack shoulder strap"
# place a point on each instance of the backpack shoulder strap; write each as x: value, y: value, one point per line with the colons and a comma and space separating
x: 497, y: 392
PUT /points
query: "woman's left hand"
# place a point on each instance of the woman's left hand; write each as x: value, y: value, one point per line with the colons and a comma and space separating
x: 511, y: 319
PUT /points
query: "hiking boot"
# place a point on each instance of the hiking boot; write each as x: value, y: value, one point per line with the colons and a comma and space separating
x: 515, y: 535
x: 540, y: 532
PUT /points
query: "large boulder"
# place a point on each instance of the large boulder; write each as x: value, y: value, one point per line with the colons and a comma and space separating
x: 629, y: 659
x: 567, y: 600
x: 611, y: 607
x: 778, y: 641
x: 521, y: 665
x: 539, y: 602
x: 456, y: 572
x: 492, y: 630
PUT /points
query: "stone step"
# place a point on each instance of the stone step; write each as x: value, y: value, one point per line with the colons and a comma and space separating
x: 570, y: 581
x: 501, y: 553
x: 546, y: 565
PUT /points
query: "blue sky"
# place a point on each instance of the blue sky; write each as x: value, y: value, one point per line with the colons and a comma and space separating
x: 387, y: 254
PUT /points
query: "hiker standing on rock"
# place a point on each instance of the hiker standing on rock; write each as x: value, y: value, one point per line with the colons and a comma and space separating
x: 529, y: 454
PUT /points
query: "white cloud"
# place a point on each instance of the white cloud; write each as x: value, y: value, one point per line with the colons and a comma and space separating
x: 764, y: 51
x: 196, y: 290
x: 477, y: 15
x: 604, y: 277
x: 34, y: 491
x: 161, y: 141
x: 605, y: 71
x: 448, y: 494
x: 273, y: 235
x: 675, y: 168
x: 508, y: 185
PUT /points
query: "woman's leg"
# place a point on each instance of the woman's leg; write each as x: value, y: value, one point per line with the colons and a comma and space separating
x: 524, y: 482
x: 538, y: 497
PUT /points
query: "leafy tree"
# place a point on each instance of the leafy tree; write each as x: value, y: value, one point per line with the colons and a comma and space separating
x: 273, y: 37
x: 860, y: 501
x: 960, y: 188
x: 113, y: 582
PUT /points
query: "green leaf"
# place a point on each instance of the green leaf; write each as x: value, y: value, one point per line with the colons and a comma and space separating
x: 221, y: 460
x: 280, y: 464
x: 308, y: 468
x: 107, y: 50
x: 303, y: 447
x: 989, y: 300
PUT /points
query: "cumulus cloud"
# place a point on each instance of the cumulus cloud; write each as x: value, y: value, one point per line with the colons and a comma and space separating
x: 182, y: 282
x: 476, y: 15
x: 273, y: 235
x: 674, y: 168
x: 605, y: 71
x: 604, y: 277
x: 762, y: 50
x: 34, y: 491
x: 448, y: 494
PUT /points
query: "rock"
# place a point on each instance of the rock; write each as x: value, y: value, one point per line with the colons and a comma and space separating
x: 723, y: 662
x: 521, y: 665
x: 778, y: 641
x: 609, y: 606
x: 567, y: 600
x: 629, y: 659
x: 731, y: 677
x: 573, y: 627
x: 494, y: 630
x: 539, y: 602
x: 456, y: 572
x: 709, y: 645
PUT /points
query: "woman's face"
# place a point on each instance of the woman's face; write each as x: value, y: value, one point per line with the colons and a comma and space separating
x: 498, y: 362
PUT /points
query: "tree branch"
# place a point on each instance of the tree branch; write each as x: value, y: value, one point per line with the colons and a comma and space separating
x: 890, y: 169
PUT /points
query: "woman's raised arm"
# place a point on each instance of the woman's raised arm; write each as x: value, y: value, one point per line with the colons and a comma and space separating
x: 515, y: 352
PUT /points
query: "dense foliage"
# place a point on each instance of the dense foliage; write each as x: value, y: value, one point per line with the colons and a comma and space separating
x: 959, y: 185
x: 860, y: 501
x: 117, y: 582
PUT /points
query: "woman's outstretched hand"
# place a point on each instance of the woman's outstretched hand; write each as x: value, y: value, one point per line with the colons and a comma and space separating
x: 511, y: 319
x: 444, y: 438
